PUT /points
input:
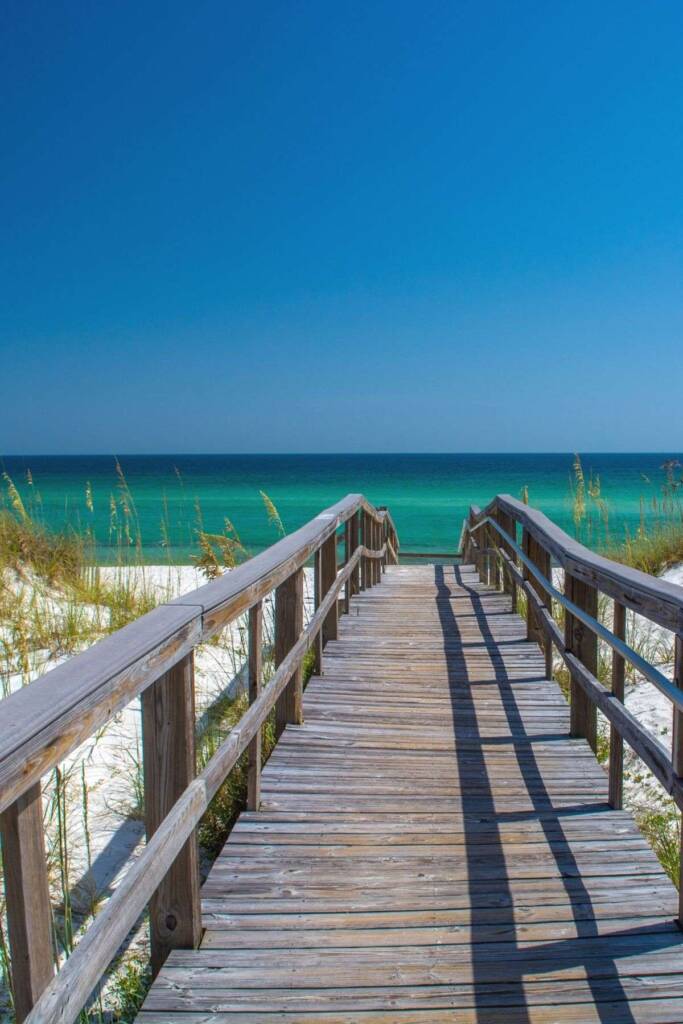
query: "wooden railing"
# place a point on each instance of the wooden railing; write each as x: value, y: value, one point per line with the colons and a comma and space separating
x: 153, y: 657
x: 490, y: 539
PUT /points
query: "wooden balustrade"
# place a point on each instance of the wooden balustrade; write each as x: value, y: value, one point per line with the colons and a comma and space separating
x: 536, y: 553
x: 255, y: 679
x: 168, y: 727
x: 581, y: 641
x: 616, y: 743
x: 28, y: 899
x: 529, y: 568
x: 153, y: 658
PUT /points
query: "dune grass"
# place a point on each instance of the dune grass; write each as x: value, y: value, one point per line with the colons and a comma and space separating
x: 657, y: 543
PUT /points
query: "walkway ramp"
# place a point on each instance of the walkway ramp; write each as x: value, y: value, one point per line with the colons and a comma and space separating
x: 431, y: 845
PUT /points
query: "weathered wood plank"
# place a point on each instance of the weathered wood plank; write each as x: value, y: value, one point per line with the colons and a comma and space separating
x: 168, y: 723
x: 254, y: 755
x: 328, y: 574
x: 583, y: 644
x: 27, y: 900
x: 289, y: 624
x: 616, y: 742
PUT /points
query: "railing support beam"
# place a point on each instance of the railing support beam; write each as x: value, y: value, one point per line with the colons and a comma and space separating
x: 677, y: 756
x: 348, y: 551
x: 507, y: 523
x: 289, y: 624
x: 168, y: 729
x: 317, y: 598
x: 616, y: 742
x: 534, y: 631
x: 328, y: 574
x: 255, y: 671
x: 354, y: 579
x: 366, y: 541
x: 28, y: 899
x: 583, y: 643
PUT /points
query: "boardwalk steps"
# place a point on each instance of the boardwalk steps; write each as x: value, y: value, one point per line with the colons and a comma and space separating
x: 431, y: 844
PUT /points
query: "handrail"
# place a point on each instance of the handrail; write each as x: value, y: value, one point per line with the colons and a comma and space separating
x: 644, y: 667
x: 655, y: 599
x: 43, y: 723
x: 658, y: 600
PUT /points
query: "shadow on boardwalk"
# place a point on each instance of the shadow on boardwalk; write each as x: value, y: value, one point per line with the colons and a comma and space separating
x: 470, y: 754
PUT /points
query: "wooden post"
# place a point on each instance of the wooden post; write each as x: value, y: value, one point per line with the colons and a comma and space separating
x: 534, y: 631
x: 479, y: 557
x: 27, y: 897
x: 348, y: 551
x: 317, y: 598
x: 169, y: 766
x: 582, y: 642
x: 289, y: 624
x: 677, y: 753
x: 380, y: 542
x: 507, y: 523
x: 492, y: 540
x: 355, y: 540
x: 254, y: 748
x: 616, y: 743
x: 365, y: 541
x: 328, y: 575
x: 374, y: 564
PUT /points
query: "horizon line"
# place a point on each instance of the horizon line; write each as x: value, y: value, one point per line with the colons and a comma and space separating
x: 327, y: 454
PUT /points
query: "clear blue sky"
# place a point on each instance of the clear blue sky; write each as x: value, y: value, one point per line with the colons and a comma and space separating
x: 341, y: 227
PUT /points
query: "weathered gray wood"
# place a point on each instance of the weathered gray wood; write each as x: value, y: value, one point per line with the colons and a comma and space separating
x: 474, y: 516
x: 354, y: 579
x: 583, y: 643
x: 677, y: 756
x: 649, y: 749
x: 366, y: 542
x: 168, y: 725
x: 657, y: 599
x: 616, y: 743
x: 255, y: 673
x: 223, y: 599
x: 495, y: 579
x: 317, y: 598
x: 289, y: 624
x: 328, y: 575
x: 43, y: 723
x: 66, y: 994
x: 348, y: 551
x: 508, y: 524
x: 27, y: 900
x: 541, y: 559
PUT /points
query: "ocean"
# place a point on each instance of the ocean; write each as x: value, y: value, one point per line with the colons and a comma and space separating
x: 428, y: 495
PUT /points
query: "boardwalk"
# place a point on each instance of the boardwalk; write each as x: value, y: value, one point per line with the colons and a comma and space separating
x: 432, y: 846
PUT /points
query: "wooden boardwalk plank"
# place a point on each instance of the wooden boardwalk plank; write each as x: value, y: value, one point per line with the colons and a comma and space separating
x: 431, y: 844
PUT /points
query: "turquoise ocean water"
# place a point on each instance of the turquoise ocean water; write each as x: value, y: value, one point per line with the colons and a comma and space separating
x: 428, y: 495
